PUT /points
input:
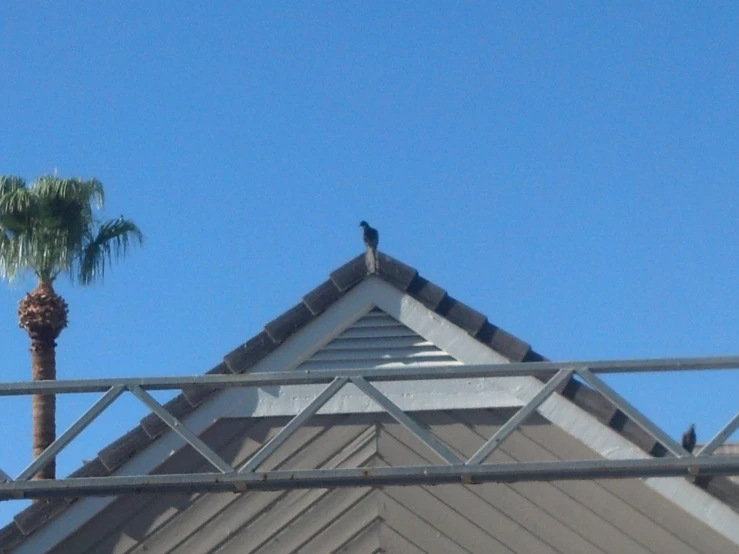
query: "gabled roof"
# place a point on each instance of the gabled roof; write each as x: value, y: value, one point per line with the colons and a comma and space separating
x: 408, y: 281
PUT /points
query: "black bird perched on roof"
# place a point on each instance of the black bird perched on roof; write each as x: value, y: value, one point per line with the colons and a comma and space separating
x: 689, y: 438
x: 371, y: 236
x: 371, y: 239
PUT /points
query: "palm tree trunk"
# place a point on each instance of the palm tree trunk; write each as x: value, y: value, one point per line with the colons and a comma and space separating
x: 43, y: 314
x: 43, y: 368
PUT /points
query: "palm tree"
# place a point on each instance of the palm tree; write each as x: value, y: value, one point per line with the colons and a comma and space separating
x: 50, y: 229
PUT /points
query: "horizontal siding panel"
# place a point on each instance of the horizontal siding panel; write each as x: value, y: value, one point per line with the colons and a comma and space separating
x: 377, y: 322
x: 381, y: 352
x: 376, y: 332
x: 387, y: 342
x: 379, y: 364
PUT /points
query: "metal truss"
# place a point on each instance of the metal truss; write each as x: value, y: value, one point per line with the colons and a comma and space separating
x: 450, y: 469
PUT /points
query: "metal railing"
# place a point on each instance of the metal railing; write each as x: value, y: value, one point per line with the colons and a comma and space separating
x: 451, y: 468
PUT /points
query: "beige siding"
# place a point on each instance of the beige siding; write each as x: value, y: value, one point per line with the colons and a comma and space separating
x: 588, y: 517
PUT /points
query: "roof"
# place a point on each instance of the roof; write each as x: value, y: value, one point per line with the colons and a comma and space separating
x: 408, y: 281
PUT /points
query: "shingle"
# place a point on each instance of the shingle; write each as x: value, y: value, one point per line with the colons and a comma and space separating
x: 321, y: 297
x: 350, y: 274
x: 591, y: 401
x: 39, y: 513
x: 10, y: 536
x: 426, y: 292
x: 282, y: 327
x: 503, y: 342
x: 462, y: 315
x: 396, y: 273
x: 196, y: 395
x: 722, y: 488
x: 251, y: 352
x: 93, y: 468
x: 116, y: 453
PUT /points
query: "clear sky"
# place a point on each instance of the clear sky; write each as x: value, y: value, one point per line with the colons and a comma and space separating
x: 570, y: 171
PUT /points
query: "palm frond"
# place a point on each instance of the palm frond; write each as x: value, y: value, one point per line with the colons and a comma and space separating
x: 88, y: 192
x: 11, y: 182
x: 111, y: 243
x: 50, y: 228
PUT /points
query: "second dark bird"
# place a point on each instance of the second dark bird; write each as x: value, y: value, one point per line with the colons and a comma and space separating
x: 689, y: 438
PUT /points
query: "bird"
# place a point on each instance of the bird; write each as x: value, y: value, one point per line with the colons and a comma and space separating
x: 371, y: 236
x: 371, y: 239
x: 689, y: 438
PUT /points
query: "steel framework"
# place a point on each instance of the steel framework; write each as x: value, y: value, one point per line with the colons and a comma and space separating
x: 450, y: 468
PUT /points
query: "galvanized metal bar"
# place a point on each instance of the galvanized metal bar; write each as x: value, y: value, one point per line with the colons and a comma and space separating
x: 287, y: 431
x: 373, y: 477
x: 520, y: 416
x: 438, y: 447
x: 4, y: 477
x: 632, y: 413
x: 299, y: 377
x: 178, y: 427
x: 711, y: 446
x: 75, y: 429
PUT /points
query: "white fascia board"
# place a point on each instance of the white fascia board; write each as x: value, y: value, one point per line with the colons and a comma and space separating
x: 557, y: 409
x: 410, y: 396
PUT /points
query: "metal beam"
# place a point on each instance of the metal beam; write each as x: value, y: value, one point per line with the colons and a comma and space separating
x: 369, y: 476
x: 292, y: 426
x: 75, y: 429
x: 517, y: 420
x: 632, y: 413
x: 4, y: 476
x: 426, y: 437
x: 178, y: 427
x: 299, y: 377
x: 720, y: 437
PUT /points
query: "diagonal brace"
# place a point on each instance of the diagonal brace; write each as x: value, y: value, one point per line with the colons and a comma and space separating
x: 292, y: 426
x: 438, y: 447
x: 4, y: 477
x: 75, y: 429
x: 178, y: 427
x: 631, y: 412
x: 521, y: 415
x: 720, y: 437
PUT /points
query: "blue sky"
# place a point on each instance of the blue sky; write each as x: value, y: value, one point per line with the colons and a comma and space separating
x: 570, y: 171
